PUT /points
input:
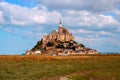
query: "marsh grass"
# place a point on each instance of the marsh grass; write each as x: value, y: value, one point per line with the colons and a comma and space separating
x: 41, y: 67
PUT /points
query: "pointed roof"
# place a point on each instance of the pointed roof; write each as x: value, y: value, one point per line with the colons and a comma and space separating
x: 60, y: 24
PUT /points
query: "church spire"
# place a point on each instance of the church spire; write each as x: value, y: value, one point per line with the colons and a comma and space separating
x: 60, y: 21
x: 60, y: 24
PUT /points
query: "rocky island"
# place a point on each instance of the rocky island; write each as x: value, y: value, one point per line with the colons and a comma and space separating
x: 60, y: 43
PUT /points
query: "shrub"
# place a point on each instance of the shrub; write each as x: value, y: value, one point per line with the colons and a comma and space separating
x: 50, y: 44
x: 38, y: 45
x: 81, y: 45
x: 60, y: 46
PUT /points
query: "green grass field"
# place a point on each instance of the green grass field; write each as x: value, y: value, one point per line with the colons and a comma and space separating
x: 53, y: 68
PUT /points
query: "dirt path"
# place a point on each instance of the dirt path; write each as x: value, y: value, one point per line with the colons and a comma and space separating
x: 65, y: 77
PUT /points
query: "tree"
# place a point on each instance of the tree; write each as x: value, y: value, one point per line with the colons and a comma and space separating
x: 50, y: 44
x: 60, y: 46
x: 81, y: 45
x: 38, y: 45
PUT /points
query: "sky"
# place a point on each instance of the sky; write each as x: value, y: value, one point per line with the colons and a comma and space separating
x: 94, y: 23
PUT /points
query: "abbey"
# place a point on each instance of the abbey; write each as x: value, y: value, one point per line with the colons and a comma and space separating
x: 61, y: 35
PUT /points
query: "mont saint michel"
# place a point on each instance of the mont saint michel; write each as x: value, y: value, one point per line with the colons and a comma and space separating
x: 59, y: 42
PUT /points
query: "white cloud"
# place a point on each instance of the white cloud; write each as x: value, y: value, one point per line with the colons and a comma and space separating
x: 117, y: 12
x: 81, y: 31
x: 1, y: 17
x: 107, y: 33
x: 89, y: 5
x: 86, y: 40
x: 91, y: 34
x: 84, y: 31
x: 86, y: 12
x: 22, y: 15
x: 85, y: 18
x: 19, y: 15
x: 102, y: 20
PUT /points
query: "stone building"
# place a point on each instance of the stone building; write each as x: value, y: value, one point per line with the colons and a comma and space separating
x: 61, y: 35
x: 30, y: 52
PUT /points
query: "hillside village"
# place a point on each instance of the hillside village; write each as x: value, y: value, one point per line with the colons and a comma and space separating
x: 60, y: 43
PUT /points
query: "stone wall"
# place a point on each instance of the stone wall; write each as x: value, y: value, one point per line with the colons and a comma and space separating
x: 62, y: 35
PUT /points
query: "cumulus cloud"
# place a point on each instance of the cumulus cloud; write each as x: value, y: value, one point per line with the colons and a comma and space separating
x: 85, y: 11
x: 21, y: 15
x: 85, y: 18
x: 18, y: 15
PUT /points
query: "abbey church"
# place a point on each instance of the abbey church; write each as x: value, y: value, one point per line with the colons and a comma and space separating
x: 61, y: 35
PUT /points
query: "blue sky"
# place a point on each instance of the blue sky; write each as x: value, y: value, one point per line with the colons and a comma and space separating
x: 93, y: 23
